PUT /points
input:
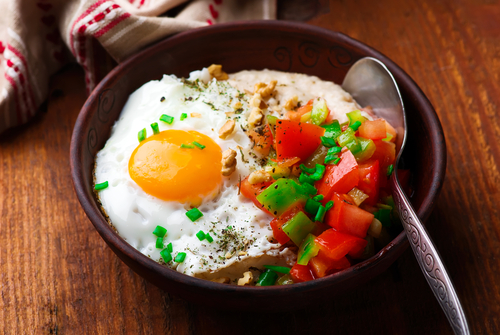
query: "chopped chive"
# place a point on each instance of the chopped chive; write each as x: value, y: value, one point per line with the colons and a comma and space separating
x: 329, y: 158
x: 170, y: 248
x: 159, y: 242
x: 101, y: 186
x: 303, y: 178
x: 319, y: 197
x: 335, y: 162
x: 280, y: 269
x: 334, y: 150
x: 320, y: 170
x: 390, y: 168
x: 355, y: 125
x: 306, y: 169
x: 166, y: 255
x: 187, y: 146
x: 183, y: 116
x: 160, y: 231
x: 199, y: 145
x: 194, y: 214
x: 201, y: 235
x: 209, y: 238
x: 328, y: 142
x: 329, y: 205
x: 154, y: 126
x: 167, y: 118
x: 142, y: 135
x: 320, y: 214
x: 180, y: 257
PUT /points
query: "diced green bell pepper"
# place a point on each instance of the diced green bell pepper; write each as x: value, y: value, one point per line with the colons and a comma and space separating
x: 276, y: 268
x: 332, y: 130
x: 298, y: 227
x: 349, y: 140
x: 319, y: 111
x: 367, y: 149
x: 281, y: 195
x: 285, y: 280
x: 356, y: 116
x: 307, y: 250
x: 267, y: 278
x: 318, y: 174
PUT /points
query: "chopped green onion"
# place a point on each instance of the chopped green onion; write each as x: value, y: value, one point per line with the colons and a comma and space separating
x: 329, y: 205
x: 328, y: 142
x: 209, y: 238
x: 334, y: 150
x: 320, y: 215
x: 187, y: 146
x: 312, y: 206
x: 165, y: 254
x: 194, y: 214
x: 319, y: 197
x: 280, y: 269
x: 329, y: 158
x: 154, y: 126
x: 183, y: 116
x: 335, y: 162
x: 160, y: 231
x: 306, y: 169
x: 199, y: 145
x: 201, y: 235
x: 355, y: 125
x: 305, y: 179
x: 159, y: 242
x: 320, y: 170
x: 181, y: 256
x: 390, y: 168
x: 170, y: 248
x: 267, y: 278
x: 101, y: 186
x: 142, y: 135
x: 167, y: 118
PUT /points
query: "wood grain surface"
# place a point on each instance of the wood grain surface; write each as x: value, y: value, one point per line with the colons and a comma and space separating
x: 58, y: 277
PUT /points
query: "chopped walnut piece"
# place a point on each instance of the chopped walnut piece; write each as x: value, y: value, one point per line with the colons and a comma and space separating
x: 247, y: 279
x: 222, y: 280
x: 292, y: 103
x: 268, y: 90
x: 197, y: 115
x: 262, y: 105
x: 228, y: 162
x: 216, y: 72
x: 255, y: 100
x: 226, y: 129
x: 259, y: 176
x: 255, y: 118
x: 258, y: 86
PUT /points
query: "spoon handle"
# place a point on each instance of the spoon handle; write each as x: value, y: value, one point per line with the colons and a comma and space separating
x: 429, y: 261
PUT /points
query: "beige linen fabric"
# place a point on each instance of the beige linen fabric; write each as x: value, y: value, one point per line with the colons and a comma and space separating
x: 38, y: 37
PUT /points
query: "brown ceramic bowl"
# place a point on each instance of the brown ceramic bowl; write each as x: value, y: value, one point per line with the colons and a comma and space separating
x: 254, y: 45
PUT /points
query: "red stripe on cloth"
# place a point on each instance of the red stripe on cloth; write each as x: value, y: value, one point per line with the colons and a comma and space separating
x: 84, y: 14
x: 213, y: 12
x: 16, y: 91
x: 16, y: 52
x: 110, y: 25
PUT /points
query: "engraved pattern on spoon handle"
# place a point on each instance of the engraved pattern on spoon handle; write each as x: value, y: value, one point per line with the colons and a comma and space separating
x: 430, y: 262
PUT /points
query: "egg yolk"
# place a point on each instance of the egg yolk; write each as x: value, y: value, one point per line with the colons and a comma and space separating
x: 165, y: 170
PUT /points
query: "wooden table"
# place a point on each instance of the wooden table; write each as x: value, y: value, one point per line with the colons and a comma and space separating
x: 58, y: 276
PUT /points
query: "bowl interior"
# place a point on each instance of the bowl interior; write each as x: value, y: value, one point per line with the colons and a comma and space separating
x: 253, y: 45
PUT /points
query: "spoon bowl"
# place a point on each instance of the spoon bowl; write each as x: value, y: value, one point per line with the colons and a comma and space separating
x: 371, y: 83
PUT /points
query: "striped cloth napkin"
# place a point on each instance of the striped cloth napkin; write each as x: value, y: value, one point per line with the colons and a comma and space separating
x: 38, y: 37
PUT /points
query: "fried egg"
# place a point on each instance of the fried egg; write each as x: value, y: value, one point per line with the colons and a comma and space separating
x: 157, y: 180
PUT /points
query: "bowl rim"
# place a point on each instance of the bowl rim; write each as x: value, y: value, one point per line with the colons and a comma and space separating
x: 395, y: 247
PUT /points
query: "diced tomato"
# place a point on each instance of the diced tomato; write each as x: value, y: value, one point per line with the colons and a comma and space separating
x: 369, y: 181
x: 348, y: 218
x: 301, y: 273
x: 296, y: 139
x: 252, y: 191
x: 390, y: 129
x: 278, y: 222
x: 385, y: 154
x: 340, y: 178
x: 297, y: 115
x: 374, y: 130
x: 337, y: 244
x: 263, y: 139
x: 323, y: 265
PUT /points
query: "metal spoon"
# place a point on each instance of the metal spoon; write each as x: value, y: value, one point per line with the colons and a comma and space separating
x: 371, y: 83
